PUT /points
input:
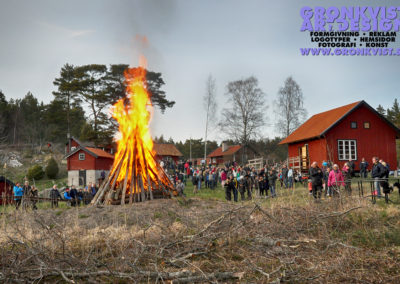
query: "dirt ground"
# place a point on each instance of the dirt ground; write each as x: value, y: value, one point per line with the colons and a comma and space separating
x: 197, y: 240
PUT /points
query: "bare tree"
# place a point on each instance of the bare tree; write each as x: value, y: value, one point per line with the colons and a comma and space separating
x: 210, y: 105
x: 245, y: 116
x: 289, y: 107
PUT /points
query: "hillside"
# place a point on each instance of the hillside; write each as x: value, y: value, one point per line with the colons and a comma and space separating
x: 19, y: 159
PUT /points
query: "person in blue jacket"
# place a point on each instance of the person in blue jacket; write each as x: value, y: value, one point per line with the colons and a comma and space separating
x: 67, y: 196
x: 18, y: 193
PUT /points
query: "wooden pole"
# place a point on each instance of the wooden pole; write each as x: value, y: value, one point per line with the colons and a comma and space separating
x: 125, y: 180
x: 131, y: 189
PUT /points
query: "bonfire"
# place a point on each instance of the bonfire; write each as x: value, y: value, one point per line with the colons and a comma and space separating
x: 135, y: 175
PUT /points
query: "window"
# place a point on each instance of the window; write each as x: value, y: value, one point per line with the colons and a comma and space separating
x: 73, y: 148
x: 353, y: 124
x: 347, y: 149
x: 366, y: 125
x: 81, y: 156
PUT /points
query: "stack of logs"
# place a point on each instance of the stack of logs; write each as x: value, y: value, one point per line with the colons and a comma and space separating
x: 136, y: 189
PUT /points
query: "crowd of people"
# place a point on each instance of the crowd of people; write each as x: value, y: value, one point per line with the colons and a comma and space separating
x: 27, y: 195
x: 330, y: 179
x: 237, y: 181
x: 243, y: 181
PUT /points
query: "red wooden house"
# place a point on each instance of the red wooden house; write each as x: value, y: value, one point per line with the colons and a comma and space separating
x: 227, y: 153
x: 166, y: 151
x: 6, y: 191
x: 86, y: 164
x: 353, y: 131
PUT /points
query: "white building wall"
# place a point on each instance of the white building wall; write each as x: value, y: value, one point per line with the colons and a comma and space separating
x: 73, y: 178
x: 91, y: 176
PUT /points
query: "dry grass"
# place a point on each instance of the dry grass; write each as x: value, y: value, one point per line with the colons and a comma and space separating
x: 289, y: 239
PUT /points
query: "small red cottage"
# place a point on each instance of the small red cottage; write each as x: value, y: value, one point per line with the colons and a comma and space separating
x: 86, y: 164
x: 167, y: 152
x: 227, y: 153
x: 6, y: 191
x: 353, y: 131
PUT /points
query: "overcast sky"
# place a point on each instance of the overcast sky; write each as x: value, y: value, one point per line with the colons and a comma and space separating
x: 188, y: 40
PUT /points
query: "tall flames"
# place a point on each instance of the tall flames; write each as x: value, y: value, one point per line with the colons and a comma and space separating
x: 135, y: 174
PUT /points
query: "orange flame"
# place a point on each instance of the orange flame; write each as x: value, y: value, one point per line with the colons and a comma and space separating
x: 135, y: 145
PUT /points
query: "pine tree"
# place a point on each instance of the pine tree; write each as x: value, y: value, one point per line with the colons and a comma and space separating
x: 381, y: 110
x: 393, y: 114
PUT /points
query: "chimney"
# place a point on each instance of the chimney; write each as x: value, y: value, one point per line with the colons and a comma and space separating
x: 224, y: 146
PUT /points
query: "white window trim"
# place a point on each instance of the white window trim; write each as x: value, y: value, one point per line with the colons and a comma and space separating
x: 347, y: 156
x: 81, y: 156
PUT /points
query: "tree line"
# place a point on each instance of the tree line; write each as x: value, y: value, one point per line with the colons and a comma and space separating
x: 265, y: 147
x: 81, y: 99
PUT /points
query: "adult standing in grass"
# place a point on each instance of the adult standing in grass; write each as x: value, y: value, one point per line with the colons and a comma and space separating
x: 352, y: 167
x: 290, y: 178
x: 34, y: 194
x: 199, y: 180
x: 363, y: 168
x: 384, y: 183
x: 230, y: 189
x: 223, y: 177
x: 285, y: 175
x: 326, y: 172
x: 87, y: 196
x: 272, y: 177
x: 376, y: 173
x: 347, y: 173
x: 26, y: 199
x: 316, y: 180
x: 73, y: 193
x: 54, y: 196
x: 18, y: 194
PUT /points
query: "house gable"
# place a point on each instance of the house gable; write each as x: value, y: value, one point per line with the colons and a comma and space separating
x: 377, y: 140
x: 321, y: 123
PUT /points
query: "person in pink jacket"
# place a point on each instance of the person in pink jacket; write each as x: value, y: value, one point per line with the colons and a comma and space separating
x: 335, y: 180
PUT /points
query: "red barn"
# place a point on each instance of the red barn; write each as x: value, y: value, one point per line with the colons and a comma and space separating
x: 353, y: 131
x: 86, y: 165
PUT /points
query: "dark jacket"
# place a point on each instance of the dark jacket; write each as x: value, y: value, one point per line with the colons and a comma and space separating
x: 377, y: 170
x: 352, y: 166
x: 55, y: 194
x: 316, y: 176
x: 272, y: 177
x: 93, y: 190
x: 230, y: 185
x: 73, y: 193
x: 285, y: 172
x: 363, y: 166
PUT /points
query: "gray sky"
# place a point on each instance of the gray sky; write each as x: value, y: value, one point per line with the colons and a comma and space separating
x: 188, y: 40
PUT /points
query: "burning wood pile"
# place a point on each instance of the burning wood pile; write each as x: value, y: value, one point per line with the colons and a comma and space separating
x: 135, y: 175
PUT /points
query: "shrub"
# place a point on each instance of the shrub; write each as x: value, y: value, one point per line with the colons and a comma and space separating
x: 52, y: 169
x: 36, y: 172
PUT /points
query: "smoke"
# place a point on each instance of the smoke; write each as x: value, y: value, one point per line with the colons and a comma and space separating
x: 141, y: 27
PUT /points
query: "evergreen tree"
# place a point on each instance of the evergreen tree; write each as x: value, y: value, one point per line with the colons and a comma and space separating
x: 393, y: 114
x: 91, y: 86
x: 51, y: 169
x: 116, y: 85
x: 381, y: 110
x: 67, y: 91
